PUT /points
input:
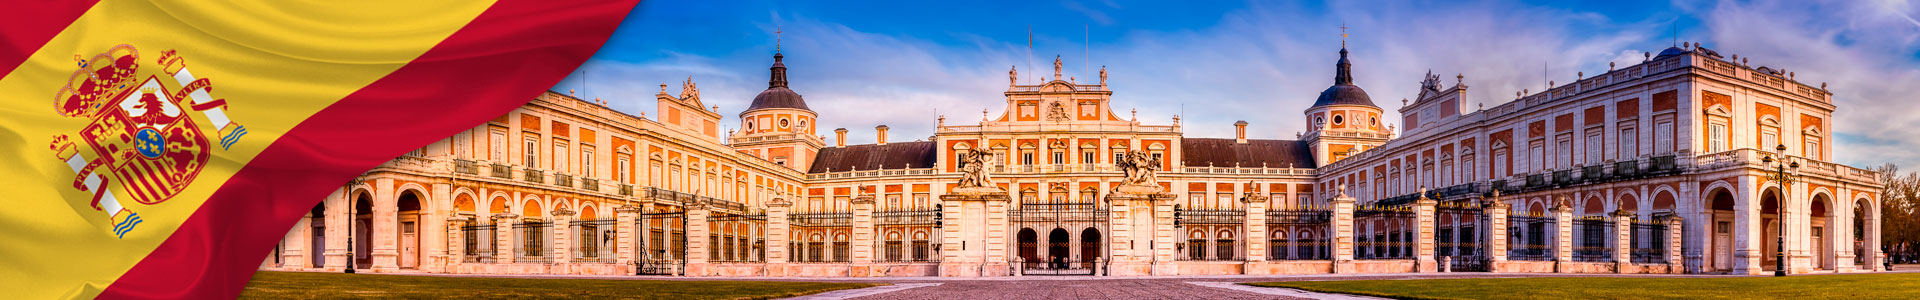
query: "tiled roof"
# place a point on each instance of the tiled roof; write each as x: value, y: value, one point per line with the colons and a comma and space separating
x: 1203, y: 152
x: 874, y: 157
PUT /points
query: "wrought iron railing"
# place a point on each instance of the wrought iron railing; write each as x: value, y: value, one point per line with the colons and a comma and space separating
x: 501, y: 171
x: 535, y: 176
x: 563, y: 179
x: 463, y: 166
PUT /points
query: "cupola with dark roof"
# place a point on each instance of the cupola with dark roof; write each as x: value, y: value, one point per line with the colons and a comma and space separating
x: 1343, y: 92
x: 777, y: 94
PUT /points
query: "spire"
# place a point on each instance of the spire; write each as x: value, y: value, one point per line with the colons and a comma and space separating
x: 779, y: 79
x: 1343, y: 73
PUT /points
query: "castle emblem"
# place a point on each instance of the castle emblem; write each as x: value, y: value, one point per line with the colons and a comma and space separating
x: 140, y: 135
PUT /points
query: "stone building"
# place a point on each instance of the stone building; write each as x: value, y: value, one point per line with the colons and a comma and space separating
x: 1666, y: 166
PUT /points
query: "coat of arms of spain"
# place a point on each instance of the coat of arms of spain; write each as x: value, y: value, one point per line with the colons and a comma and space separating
x: 141, y: 134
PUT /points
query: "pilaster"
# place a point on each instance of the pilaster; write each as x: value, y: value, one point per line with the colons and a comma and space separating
x: 1674, y: 236
x: 1496, y: 231
x: 778, y: 228
x: 1256, y: 228
x: 457, y: 239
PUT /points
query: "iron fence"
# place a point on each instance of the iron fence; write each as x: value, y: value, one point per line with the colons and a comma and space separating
x: 596, y: 240
x: 479, y: 243
x: 1649, y: 242
x: 1591, y: 236
x: 1299, y: 234
x: 1528, y: 237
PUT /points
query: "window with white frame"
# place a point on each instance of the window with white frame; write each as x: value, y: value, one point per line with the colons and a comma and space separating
x: 560, y: 162
x: 497, y: 146
x: 1059, y: 157
x: 1769, y: 137
x: 1629, y: 144
x: 1812, y: 149
x: 1086, y: 156
x: 1563, y: 151
x: 1663, y: 137
x: 624, y: 173
x: 529, y: 158
x: 1594, y: 149
x: 463, y: 145
x: 586, y: 161
x: 1716, y: 137
x: 1026, y: 157
x: 1537, y: 156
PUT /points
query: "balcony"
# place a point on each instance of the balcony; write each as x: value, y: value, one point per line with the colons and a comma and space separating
x: 563, y: 179
x: 1593, y: 173
x: 1626, y: 169
x: 463, y: 166
x: 1535, y: 181
x: 535, y: 176
x: 1563, y: 177
x: 626, y: 189
x: 590, y: 184
x: 501, y: 171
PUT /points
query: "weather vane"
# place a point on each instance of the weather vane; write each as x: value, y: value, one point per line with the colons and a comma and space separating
x: 1343, y: 35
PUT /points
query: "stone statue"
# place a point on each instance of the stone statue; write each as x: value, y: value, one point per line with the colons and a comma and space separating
x: 1013, y: 76
x: 973, y: 168
x: 688, y: 90
x: 1056, y: 67
x: 1139, y: 168
x: 1103, y: 75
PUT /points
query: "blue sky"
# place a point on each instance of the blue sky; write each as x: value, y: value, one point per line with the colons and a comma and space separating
x: 904, y: 63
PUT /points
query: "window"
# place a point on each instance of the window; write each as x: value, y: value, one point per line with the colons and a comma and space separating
x: 1059, y: 157
x: 1769, y: 138
x: 1593, y: 148
x: 1716, y: 137
x: 1156, y: 156
x: 498, y: 142
x: 624, y: 173
x: 560, y: 162
x: 1026, y: 158
x: 920, y: 201
x: 1086, y: 157
x: 1339, y: 120
x: 1629, y: 144
x: 653, y: 175
x: 1119, y: 157
x: 1499, y: 162
x: 532, y: 147
x: 1812, y: 149
x: 463, y: 145
x: 1466, y: 169
x: 1663, y: 137
x: 586, y: 162
x: 1538, y: 156
x: 1563, y: 150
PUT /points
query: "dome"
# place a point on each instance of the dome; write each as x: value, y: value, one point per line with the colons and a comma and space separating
x: 1671, y: 51
x: 777, y: 94
x: 1343, y: 92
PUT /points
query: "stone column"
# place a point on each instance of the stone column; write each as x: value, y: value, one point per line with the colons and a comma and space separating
x: 1674, y: 235
x: 1496, y: 231
x: 386, y: 227
x: 1255, y: 234
x: 562, y: 250
x: 294, y: 255
x: 457, y: 240
x: 972, y: 242
x: 339, y: 214
x: 1563, y: 238
x: 697, y: 234
x: 626, y: 234
x: 1342, y: 231
x: 1622, y: 240
x: 503, y: 248
x: 778, y: 229
x: 1423, y: 252
x: 434, y: 257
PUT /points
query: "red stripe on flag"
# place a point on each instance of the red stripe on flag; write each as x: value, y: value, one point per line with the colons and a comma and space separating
x: 507, y: 56
x: 25, y: 26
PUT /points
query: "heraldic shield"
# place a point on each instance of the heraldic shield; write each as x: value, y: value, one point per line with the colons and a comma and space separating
x: 140, y: 136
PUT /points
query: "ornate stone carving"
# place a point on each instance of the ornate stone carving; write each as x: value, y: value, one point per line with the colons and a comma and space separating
x: 973, y: 169
x: 1140, y: 168
x: 1057, y: 112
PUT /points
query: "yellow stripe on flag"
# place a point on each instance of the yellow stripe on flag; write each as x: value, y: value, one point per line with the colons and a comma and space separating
x: 274, y: 63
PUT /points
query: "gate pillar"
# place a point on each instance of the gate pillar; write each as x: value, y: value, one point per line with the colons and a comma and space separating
x: 625, y: 234
x: 1623, y: 240
x: 698, y: 248
x: 861, y: 250
x: 1496, y: 234
x: 1423, y: 227
x: 974, y: 236
x: 1563, y: 237
x: 1142, y: 230
x: 503, y: 237
x: 1255, y: 233
x: 1342, y: 231
x: 778, y: 231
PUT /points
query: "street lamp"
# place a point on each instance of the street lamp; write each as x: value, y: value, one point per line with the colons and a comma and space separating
x: 351, y: 214
x: 1781, y: 176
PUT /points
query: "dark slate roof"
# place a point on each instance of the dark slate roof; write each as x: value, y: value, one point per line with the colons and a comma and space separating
x: 777, y: 94
x: 1202, y: 152
x: 1671, y: 51
x: 874, y: 157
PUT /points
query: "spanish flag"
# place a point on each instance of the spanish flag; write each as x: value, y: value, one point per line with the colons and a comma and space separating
x: 159, y: 149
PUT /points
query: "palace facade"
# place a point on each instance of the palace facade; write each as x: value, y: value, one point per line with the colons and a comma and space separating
x: 1667, y: 166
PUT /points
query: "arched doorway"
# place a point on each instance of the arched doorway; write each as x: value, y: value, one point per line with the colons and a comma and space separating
x: 1819, y: 228
x: 408, y: 216
x: 1861, y: 252
x: 1720, y: 207
x: 1089, y: 246
x: 1057, y: 256
x: 318, y: 221
x: 1029, y: 252
x: 1769, y: 234
x: 362, y: 230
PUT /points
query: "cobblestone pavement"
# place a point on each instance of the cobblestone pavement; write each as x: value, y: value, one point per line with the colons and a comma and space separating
x: 1071, y: 289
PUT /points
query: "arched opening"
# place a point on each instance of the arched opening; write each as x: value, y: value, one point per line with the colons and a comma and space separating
x: 1663, y: 202
x: 362, y: 230
x: 1630, y: 204
x: 408, y: 216
x: 499, y: 207
x: 318, y: 221
x: 1089, y: 245
x: 1861, y: 251
x: 1769, y: 229
x: 1029, y: 252
x: 1720, y: 206
x: 1820, y: 217
x: 1057, y: 255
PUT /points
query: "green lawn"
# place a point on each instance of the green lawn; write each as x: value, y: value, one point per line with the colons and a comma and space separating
x: 306, y: 285
x: 1852, y: 286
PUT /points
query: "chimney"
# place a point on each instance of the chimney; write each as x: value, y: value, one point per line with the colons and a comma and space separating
x: 882, y: 136
x: 839, y: 137
x: 1240, y: 132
